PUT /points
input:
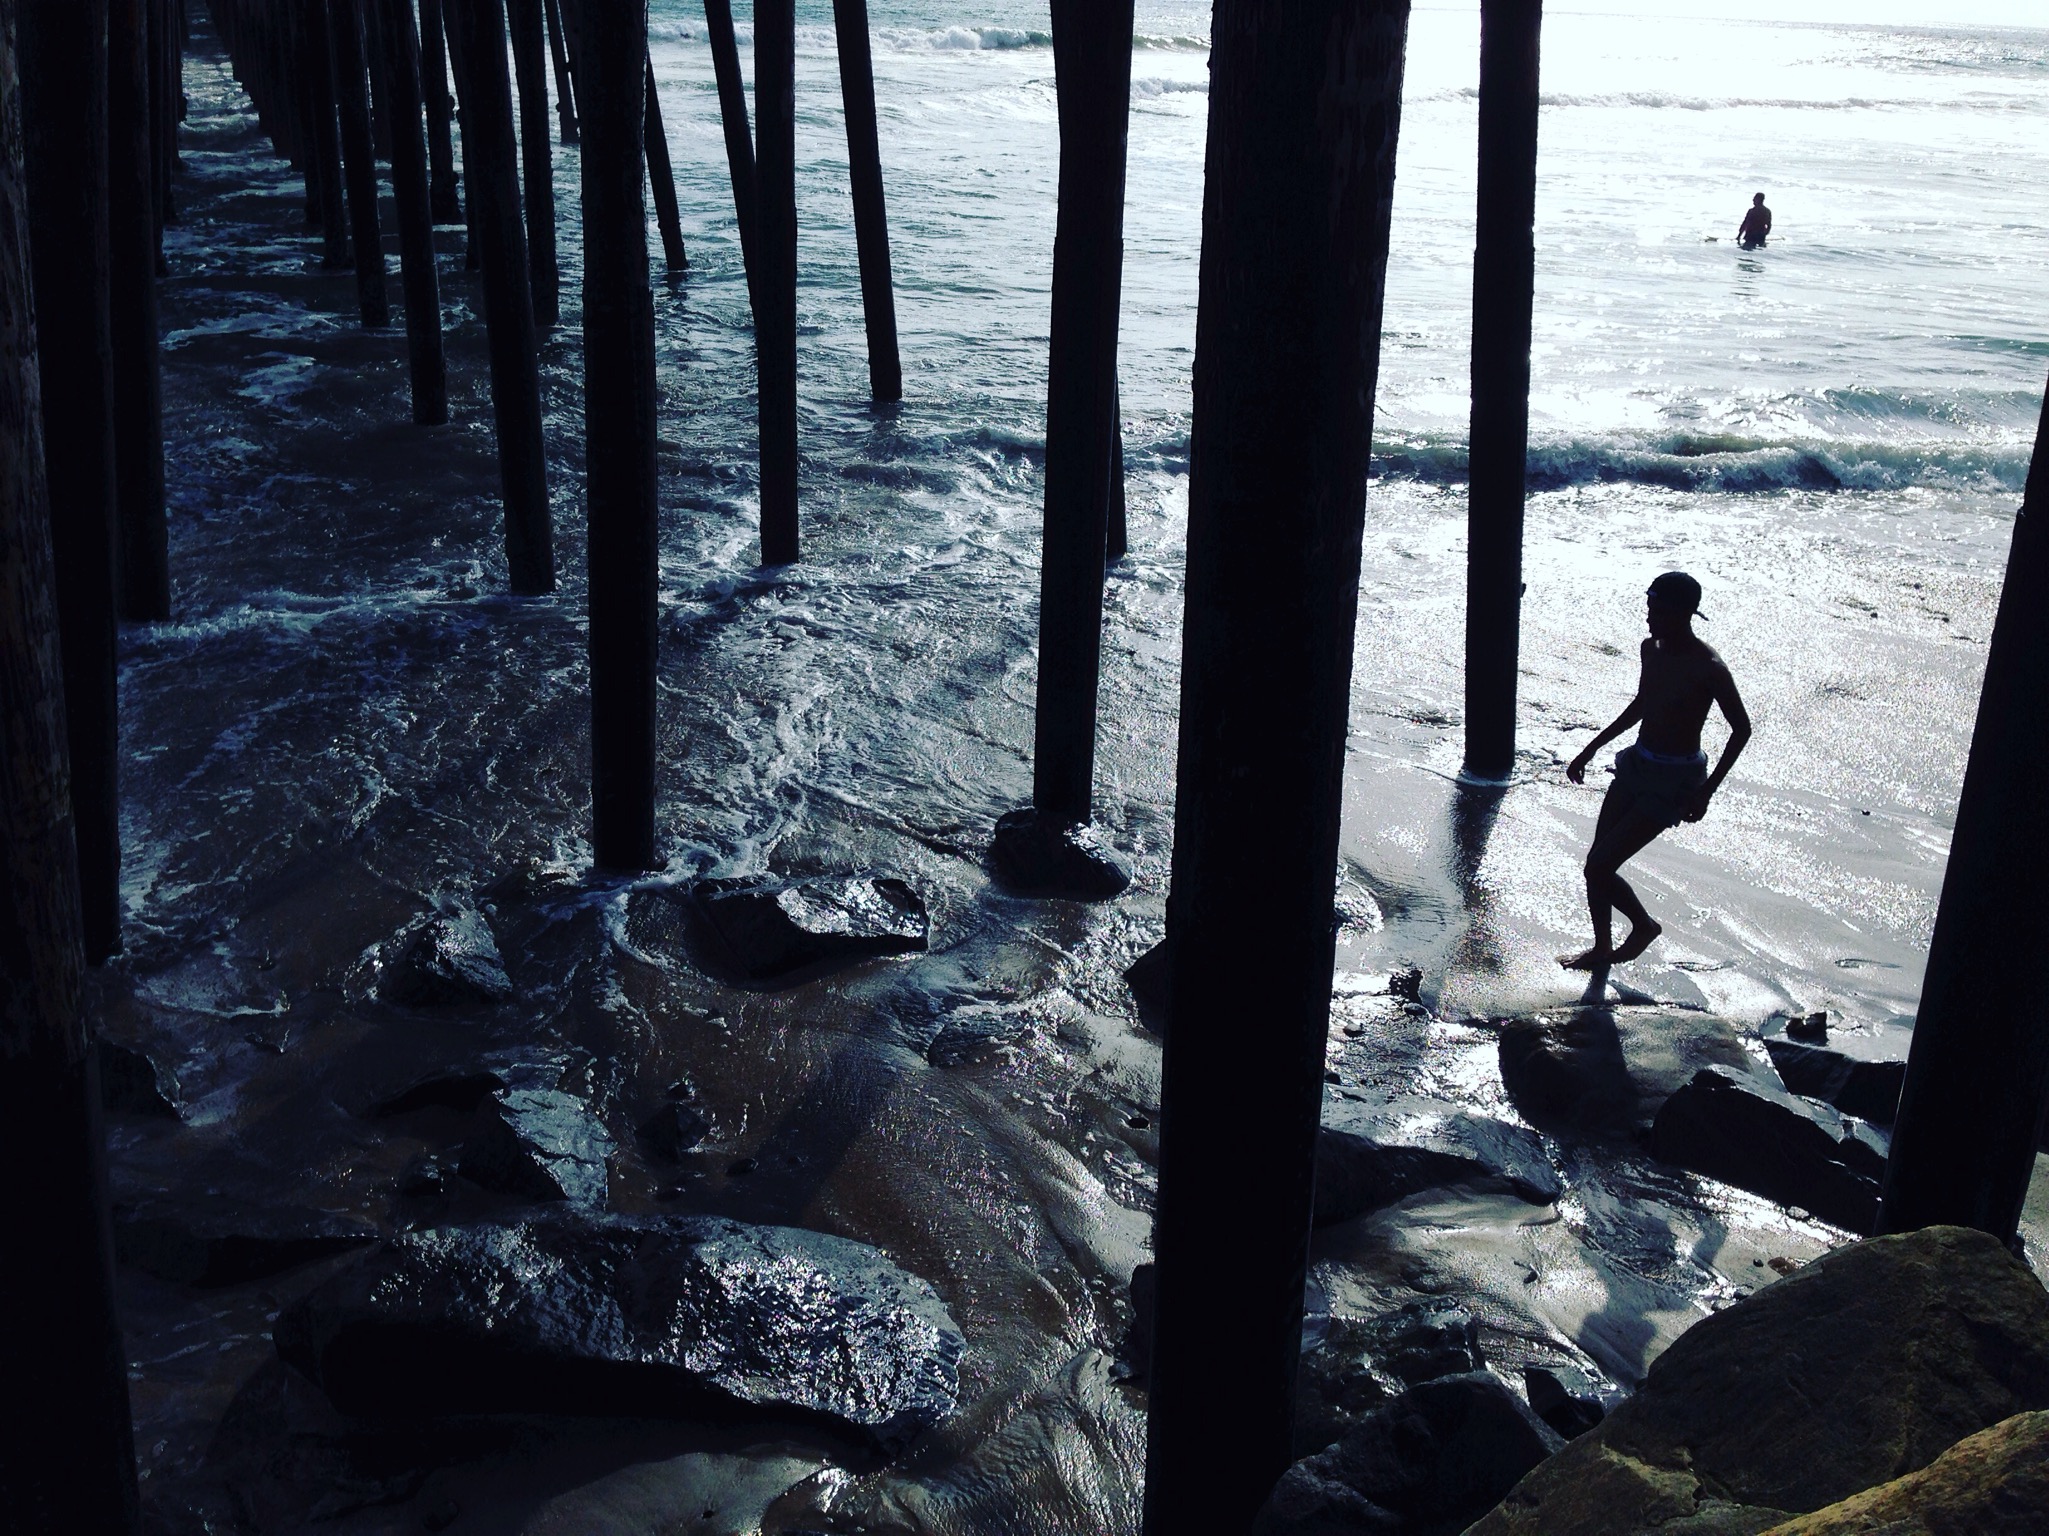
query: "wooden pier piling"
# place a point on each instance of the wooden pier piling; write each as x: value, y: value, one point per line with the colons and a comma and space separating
x: 444, y: 195
x: 67, y: 1460
x: 491, y: 183
x: 359, y: 159
x: 1972, y: 1111
x: 661, y: 176
x: 62, y: 48
x: 142, y: 538
x: 537, y: 157
x: 1504, y: 279
x: 565, y: 86
x: 871, y: 220
x: 419, y: 279
x: 725, y: 65
x: 619, y: 431
x: 316, y: 79
x: 775, y: 289
x: 1092, y: 65
x: 1305, y: 105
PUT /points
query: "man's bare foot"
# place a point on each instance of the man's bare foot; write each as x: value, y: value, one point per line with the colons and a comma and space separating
x: 1641, y: 937
x: 1595, y: 959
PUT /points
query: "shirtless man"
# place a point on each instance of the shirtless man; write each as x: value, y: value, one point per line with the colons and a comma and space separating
x: 1664, y: 779
x: 1756, y: 225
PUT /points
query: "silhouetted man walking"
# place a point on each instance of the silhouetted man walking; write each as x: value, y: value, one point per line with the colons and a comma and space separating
x: 1757, y: 224
x: 1663, y: 779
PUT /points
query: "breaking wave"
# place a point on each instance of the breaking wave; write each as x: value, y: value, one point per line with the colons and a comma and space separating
x: 1722, y: 463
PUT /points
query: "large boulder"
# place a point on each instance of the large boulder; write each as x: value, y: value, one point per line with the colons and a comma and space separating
x: 1372, y: 1151
x: 1424, y: 1464
x: 1869, y: 1090
x: 1860, y: 1368
x: 445, y: 960
x: 1607, y: 1071
x: 778, y: 933
x: 1995, y: 1483
x: 689, y: 1317
x: 1755, y: 1135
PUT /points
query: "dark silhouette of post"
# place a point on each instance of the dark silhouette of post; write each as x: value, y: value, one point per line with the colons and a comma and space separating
x: 143, y: 538
x: 491, y: 182
x: 67, y: 1460
x: 565, y: 87
x: 537, y: 158
x: 304, y: 100
x: 775, y: 288
x: 443, y: 192
x: 871, y: 221
x: 661, y: 175
x: 619, y: 432
x: 725, y: 65
x: 409, y: 184
x: 1092, y: 66
x: 1971, y: 1113
x: 359, y: 159
x: 1305, y: 107
x: 1504, y: 279
x: 63, y: 92
x: 316, y: 77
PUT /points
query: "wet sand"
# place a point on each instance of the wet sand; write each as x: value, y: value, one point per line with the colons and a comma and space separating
x: 349, y: 723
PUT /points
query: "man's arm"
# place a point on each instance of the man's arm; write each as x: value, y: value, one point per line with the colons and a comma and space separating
x: 1576, y: 770
x: 1731, y: 704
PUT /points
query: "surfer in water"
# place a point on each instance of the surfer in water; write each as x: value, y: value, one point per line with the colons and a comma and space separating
x: 1757, y: 224
x: 1663, y: 779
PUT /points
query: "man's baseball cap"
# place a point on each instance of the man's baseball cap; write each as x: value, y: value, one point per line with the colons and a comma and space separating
x: 1680, y: 590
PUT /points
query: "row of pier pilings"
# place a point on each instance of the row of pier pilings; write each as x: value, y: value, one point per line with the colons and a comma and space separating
x: 1305, y: 112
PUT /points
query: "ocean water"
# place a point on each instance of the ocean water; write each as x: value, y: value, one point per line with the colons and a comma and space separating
x: 349, y: 722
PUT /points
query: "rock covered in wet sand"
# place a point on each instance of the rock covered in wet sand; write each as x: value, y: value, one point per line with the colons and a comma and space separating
x: 1869, y: 1090
x: 1995, y: 1483
x: 445, y: 960
x: 542, y: 1143
x: 1039, y: 855
x: 1371, y: 1152
x: 1426, y: 1463
x: 781, y: 932
x: 1867, y: 1363
x: 1607, y: 1071
x: 688, y: 1317
x: 1757, y: 1136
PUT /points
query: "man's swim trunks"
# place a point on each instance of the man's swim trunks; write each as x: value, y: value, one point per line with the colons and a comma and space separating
x: 1655, y: 784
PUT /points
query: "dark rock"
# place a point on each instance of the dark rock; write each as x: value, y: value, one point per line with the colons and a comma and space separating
x: 132, y: 1083
x: 1868, y: 1089
x: 1759, y: 1137
x: 1994, y: 1483
x: 1406, y: 986
x: 426, y: 1178
x: 1423, y: 1342
x: 1151, y: 977
x: 1427, y: 1463
x: 1866, y: 1364
x: 1037, y: 855
x: 541, y: 1143
x: 1371, y: 1152
x: 683, y: 1091
x: 1564, y: 1397
x: 1607, y: 1071
x: 462, y: 1092
x: 445, y: 960
x: 1811, y: 1029
x: 693, y: 1317
x: 673, y: 1130
x: 779, y: 933
x: 741, y: 1167
x: 226, y: 1243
